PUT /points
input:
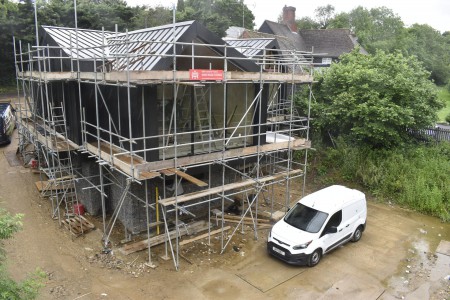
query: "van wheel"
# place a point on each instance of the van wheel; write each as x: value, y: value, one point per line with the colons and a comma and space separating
x: 315, y: 258
x: 357, y: 235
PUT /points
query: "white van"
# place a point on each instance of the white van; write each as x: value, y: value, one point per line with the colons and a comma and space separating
x: 317, y: 224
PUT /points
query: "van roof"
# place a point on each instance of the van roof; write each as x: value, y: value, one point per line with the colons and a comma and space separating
x: 4, y: 108
x: 332, y: 198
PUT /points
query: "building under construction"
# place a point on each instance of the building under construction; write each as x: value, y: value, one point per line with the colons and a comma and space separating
x: 161, y: 128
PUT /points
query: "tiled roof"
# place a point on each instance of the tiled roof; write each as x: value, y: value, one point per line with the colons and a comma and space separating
x: 329, y: 42
x: 291, y: 41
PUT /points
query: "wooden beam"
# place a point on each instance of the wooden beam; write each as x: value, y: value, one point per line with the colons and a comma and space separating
x: 192, y: 179
x: 210, y: 157
x: 159, y: 239
x: 238, y: 218
x: 184, y: 242
x: 122, y: 162
x: 226, y: 187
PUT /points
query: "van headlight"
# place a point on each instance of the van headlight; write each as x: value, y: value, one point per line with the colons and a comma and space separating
x: 302, y: 246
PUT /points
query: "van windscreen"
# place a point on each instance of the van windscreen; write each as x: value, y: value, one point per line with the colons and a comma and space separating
x: 305, y: 218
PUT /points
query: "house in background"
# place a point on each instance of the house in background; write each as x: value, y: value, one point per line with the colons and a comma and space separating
x: 326, y: 44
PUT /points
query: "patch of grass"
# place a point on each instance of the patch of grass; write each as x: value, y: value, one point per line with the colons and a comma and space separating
x: 417, y: 176
x: 444, y: 94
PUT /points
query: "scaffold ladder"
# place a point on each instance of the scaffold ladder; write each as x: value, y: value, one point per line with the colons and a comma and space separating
x: 60, y: 173
x: 203, y: 119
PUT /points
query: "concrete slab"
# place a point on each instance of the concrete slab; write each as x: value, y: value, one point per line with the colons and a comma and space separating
x: 353, y: 287
x: 268, y: 274
x: 444, y: 248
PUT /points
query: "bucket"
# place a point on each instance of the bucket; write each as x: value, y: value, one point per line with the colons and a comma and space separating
x: 34, y: 163
x: 78, y: 209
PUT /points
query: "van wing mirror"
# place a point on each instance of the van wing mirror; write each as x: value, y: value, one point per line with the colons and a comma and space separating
x: 332, y: 229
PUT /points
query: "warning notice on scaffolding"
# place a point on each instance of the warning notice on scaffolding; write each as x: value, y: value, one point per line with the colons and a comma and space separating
x: 200, y: 74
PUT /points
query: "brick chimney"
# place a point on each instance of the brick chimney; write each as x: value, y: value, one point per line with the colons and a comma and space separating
x: 289, y: 18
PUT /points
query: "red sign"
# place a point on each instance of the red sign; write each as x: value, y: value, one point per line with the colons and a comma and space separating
x: 199, y: 74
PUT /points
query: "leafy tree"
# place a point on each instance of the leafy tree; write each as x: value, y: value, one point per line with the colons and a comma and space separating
x: 374, y: 99
x: 341, y: 20
x: 146, y: 17
x: 324, y: 15
x: 8, y: 12
x: 10, y: 289
x: 377, y: 29
x: 218, y: 15
x: 432, y: 48
x: 180, y: 5
x: 307, y: 23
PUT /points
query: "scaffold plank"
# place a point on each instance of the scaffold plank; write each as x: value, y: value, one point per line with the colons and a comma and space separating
x: 210, y: 157
x: 140, y: 76
x: 125, y: 162
x: 224, y: 188
x: 202, y: 236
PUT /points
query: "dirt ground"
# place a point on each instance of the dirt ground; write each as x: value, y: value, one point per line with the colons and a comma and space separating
x: 397, y: 258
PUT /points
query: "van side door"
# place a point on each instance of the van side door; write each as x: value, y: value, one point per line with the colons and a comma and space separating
x: 334, y: 233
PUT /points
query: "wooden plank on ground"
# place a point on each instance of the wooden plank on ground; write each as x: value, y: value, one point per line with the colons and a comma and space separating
x: 203, y: 236
x: 245, y: 222
x: 235, y: 217
x: 77, y: 225
x: 159, y: 239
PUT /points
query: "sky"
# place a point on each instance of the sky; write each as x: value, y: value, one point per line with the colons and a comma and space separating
x: 435, y: 13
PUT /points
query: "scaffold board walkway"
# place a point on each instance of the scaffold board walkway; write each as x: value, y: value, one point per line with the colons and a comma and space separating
x: 226, y: 187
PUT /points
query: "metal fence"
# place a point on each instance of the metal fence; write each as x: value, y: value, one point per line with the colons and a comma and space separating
x: 431, y: 134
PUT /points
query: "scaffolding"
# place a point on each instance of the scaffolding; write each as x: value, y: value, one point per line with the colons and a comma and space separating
x: 106, y: 123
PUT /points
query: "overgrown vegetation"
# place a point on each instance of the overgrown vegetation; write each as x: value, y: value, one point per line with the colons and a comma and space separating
x: 363, y: 108
x: 414, y: 176
x: 10, y: 289
x: 374, y: 99
x: 444, y: 113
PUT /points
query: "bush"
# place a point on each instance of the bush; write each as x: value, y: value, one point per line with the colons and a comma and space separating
x: 417, y: 177
x: 10, y: 289
x: 447, y: 118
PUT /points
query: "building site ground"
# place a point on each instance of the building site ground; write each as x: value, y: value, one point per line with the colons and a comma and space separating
x: 402, y: 255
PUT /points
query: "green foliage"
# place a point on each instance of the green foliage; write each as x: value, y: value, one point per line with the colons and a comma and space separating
x: 416, y: 177
x: 381, y: 29
x: 9, y: 224
x: 10, y: 289
x: 307, y: 23
x: 324, y: 15
x: 25, y: 290
x: 374, y: 99
x: 444, y: 95
x: 217, y: 15
x: 432, y: 48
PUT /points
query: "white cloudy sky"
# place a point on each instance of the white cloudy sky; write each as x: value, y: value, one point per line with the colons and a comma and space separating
x: 435, y: 13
